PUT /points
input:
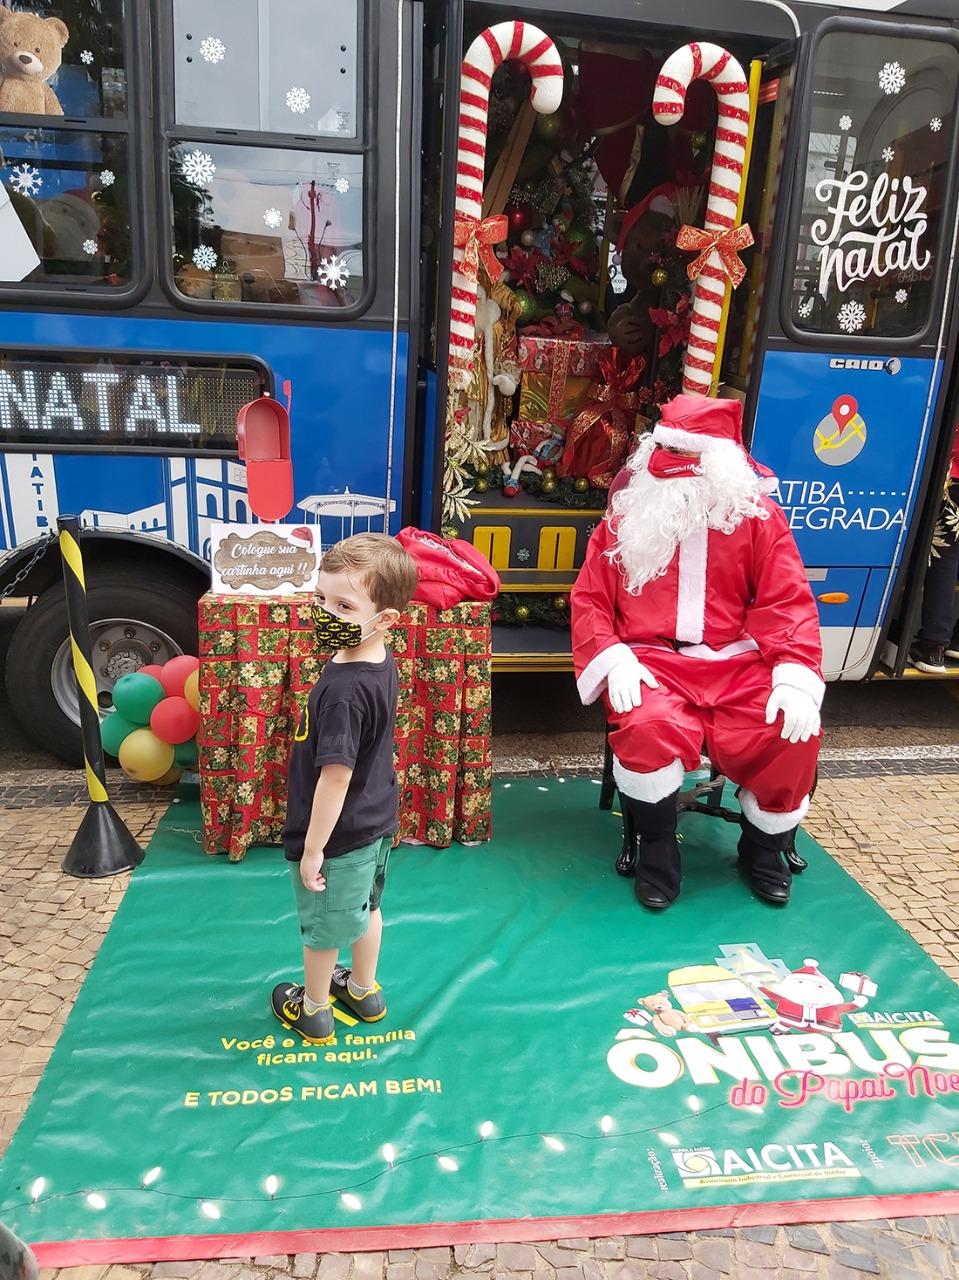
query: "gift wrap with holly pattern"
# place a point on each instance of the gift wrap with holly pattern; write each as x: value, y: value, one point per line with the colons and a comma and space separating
x: 259, y: 659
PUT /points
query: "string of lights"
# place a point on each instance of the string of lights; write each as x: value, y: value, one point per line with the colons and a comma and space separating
x: 444, y: 1157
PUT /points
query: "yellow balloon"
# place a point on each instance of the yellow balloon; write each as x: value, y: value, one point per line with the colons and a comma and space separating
x: 143, y: 757
x: 191, y: 689
x: 168, y: 779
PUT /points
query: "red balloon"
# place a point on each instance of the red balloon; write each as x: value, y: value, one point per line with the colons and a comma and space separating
x: 174, y: 721
x: 153, y: 670
x: 174, y: 674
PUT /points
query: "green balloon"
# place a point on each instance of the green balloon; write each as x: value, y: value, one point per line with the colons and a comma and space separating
x: 113, y: 730
x: 135, y: 696
x: 185, y: 755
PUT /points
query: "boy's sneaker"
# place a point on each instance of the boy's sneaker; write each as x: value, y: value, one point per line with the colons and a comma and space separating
x: 930, y: 658
x: 287, y: 1005
x: 368, y: 1008
x: 952, y: 648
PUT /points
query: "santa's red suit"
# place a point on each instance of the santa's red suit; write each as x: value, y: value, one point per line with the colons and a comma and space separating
x: 729, y: 618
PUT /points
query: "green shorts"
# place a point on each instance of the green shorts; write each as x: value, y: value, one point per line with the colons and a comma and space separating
x: 339, y: 915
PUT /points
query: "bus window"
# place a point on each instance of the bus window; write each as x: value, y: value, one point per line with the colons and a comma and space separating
x: 123, y: 402
x: 871, y: 226
x: 274, y: 216
x: 260, y: 224
x: 269, y: 66
x: 68, y: 179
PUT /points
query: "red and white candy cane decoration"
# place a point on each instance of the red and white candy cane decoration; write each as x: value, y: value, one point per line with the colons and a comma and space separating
x: 472, y: 236
x: 717, y: 245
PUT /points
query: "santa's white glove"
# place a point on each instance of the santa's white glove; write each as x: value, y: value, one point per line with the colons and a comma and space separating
x: 799, y: 711
x: 624, y: 684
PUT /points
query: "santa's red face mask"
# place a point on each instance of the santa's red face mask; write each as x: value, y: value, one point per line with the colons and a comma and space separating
x: 666, y: 465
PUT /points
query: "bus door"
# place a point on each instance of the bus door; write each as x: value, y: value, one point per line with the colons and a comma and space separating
x: 849, y: 368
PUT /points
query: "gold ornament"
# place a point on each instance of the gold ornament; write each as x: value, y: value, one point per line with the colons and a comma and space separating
x: 522, y: 612
x: 450, y: 531
x: 560, y: 603
x: 482, y: 468
x: 660, y: 277
x: 548, y: 486
x: 481, y: 485
x: 582, y: 484
x: 548, y: 473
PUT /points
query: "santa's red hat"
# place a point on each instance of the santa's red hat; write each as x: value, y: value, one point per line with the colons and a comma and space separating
x: 700, y: 424
x: 661, y: 199
x: 810, y: 967
x: 301, y: 537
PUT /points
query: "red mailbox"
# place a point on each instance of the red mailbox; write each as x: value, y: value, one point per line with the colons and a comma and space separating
x: 263, y: 442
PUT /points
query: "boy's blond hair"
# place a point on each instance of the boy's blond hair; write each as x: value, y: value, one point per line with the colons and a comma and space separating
x: 387, y: 570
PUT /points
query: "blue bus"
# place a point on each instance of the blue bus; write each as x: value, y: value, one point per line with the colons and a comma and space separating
x: 220, y: 198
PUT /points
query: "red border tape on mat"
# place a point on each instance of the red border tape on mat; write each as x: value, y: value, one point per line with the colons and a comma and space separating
x: 73, y: 1253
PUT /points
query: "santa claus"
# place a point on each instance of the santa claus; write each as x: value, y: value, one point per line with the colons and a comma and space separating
x: 693, y: 619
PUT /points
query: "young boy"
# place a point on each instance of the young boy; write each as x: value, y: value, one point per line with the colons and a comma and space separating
x: 342, y: 800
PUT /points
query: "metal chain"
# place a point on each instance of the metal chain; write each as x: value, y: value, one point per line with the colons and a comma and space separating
x: 21, y: 574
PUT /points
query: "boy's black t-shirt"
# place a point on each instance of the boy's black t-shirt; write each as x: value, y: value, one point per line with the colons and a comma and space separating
x: 349, y: 719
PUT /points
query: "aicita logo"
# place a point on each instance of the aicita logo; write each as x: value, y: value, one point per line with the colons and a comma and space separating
x: 700, y: 1165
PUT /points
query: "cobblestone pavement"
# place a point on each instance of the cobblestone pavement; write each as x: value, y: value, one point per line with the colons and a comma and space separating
x: 897, y: 831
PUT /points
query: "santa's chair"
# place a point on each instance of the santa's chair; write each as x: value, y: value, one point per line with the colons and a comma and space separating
x: 702, y: 797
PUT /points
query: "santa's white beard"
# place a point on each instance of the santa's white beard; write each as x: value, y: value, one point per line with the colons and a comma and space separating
x: 651, y: 517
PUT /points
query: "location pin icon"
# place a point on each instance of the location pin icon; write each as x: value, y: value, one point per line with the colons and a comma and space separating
x: 844, y: 410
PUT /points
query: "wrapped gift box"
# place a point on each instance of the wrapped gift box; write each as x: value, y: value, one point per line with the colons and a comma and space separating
x: 558, y: 374
x: 858, y: 983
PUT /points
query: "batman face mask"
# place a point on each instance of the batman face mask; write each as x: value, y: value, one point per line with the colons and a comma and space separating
x: 334, y: 632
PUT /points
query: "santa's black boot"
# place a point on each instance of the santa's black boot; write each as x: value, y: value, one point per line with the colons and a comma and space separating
x: 658, y: 866
x: 763, y: 863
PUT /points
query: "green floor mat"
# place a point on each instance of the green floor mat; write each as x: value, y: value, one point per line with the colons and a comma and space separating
x: 555, y: 1061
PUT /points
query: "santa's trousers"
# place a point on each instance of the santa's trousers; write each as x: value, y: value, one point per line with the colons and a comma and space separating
x: 721, y: 704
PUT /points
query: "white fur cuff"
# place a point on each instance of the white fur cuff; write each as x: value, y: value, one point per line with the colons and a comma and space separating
x: 649, y: 787
x: 592, y: 681
x: 798, y: 677
x: 773, y: 824
x: 677, y: 438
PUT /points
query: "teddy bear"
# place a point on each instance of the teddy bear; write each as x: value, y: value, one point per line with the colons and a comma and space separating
x: 30, y: 51
x: 648, y: 229
x: 666, y: 1020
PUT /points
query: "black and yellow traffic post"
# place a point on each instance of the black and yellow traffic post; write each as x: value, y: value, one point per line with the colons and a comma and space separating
x: 103, y: 845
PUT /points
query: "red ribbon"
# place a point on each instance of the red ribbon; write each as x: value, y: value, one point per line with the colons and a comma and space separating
x: 727, y: 244
x: 476, y: 238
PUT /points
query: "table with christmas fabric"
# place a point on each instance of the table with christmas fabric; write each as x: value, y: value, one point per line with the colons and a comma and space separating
x: 258, y: 661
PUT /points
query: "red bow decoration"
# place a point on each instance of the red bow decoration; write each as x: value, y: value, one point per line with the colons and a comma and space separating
x: 728, y: 244
x: 476, y: 238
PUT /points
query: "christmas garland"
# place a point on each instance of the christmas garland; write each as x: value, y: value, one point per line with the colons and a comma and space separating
x: 546, y: 486
x: 529, y: 609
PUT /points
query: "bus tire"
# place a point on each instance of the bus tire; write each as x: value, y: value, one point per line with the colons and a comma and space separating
x: 144, y: 616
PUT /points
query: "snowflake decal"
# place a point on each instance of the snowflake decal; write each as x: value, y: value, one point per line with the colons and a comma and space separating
x: 212, y: 49
x: 204, y: 257
x: 26, y: 179
x: 272, y: 217
x: 298, y: 100
x: 888, y: 154
x: 522, y: 555
x: 86, y: 57
x: 107, y: 178
x: 935, y: 124
x: 805, y: 308
x: 198, y: 168
x: 333, y: 272
x: 892, y: 77
x: 902, y: 296
x: 845, y: 123
x: 90, y: 246
x: 342, y: 185
x: 852, y: 316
